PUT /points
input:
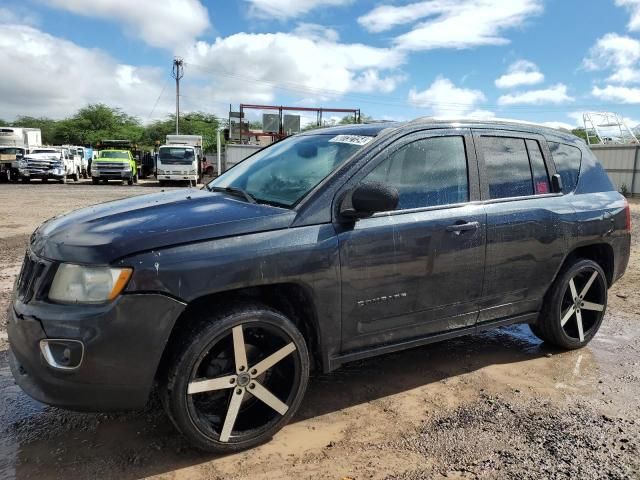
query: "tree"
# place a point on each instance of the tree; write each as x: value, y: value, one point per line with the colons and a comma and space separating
x: 581, y: 132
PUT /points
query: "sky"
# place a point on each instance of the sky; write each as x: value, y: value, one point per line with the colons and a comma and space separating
x: 545, y: 61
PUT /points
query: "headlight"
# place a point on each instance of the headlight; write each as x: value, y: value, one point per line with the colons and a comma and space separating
x: 127, y: 166
x: 192, y: 172
x: 79, y: 284
x: 22, y: 164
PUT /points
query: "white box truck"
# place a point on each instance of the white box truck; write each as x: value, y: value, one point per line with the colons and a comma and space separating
x: 180, y: 159
x: 15, y: 142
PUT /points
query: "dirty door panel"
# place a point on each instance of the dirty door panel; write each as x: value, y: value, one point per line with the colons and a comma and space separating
x: 419, y: 269
x: 527, y: 224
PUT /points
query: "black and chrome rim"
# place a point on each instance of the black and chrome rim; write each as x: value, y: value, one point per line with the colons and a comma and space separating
x: 244, y: 382
x: 583, y: 303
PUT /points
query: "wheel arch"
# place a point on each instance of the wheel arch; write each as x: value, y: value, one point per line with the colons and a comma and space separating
x: 601, y: 253
x: 293, y: 300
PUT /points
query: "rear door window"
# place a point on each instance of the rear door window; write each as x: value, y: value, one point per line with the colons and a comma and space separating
x: 507, y: 167
x: 567, y: 160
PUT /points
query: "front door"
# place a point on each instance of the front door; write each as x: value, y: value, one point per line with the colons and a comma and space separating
x: 419, y: 269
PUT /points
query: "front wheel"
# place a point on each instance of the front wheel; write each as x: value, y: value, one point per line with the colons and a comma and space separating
x: 236, y: 378
x: 575, y: 306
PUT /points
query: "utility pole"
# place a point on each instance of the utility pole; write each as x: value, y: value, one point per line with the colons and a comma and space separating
x: 177, y: 73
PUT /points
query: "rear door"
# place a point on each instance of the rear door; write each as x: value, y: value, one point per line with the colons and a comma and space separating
x: 418, y: 269
x: 526, y: 227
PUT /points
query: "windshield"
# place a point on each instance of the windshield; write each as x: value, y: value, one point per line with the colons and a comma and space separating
x: 285, y: 172
x: 176, y: 155
x: 112, y: 154
x: 44, y: 150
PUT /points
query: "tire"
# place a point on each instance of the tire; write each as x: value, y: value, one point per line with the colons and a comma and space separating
x: 76, y: 176
x: 25, y: 180
x: 45, y: 180
x: 95, y: 180
x: 569, y: 323
x: 162, y: 183
x: 105, y: 180
x: 135, y: 178
x: 208, y: 351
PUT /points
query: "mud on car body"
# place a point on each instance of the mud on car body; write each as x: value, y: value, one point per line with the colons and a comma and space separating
x: 324, y: 248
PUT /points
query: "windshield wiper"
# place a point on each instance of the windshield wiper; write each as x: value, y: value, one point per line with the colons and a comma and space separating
x: 238, y: 192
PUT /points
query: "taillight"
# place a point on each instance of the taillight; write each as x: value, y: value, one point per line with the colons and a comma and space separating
x: 627, y: 212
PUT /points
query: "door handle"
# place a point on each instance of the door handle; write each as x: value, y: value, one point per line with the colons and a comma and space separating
x: 458, y: 228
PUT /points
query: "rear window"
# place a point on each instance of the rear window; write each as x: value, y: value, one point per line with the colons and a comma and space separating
x: 567, y: 160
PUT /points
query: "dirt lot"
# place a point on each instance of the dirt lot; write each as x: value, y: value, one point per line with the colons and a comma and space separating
x: 497, y: 405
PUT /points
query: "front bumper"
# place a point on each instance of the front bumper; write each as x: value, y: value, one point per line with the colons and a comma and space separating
x: 178, y: 177
x: 123, y: 343
x: 119, y: 175
x: 56, y: 174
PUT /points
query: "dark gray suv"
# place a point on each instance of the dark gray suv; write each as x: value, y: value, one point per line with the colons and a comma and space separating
x: 327, y: 247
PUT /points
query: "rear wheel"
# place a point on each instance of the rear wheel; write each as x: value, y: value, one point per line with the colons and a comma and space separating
x: 575, y: 306
x: 236, y: 378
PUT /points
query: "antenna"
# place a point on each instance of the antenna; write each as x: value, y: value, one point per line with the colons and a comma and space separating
x: 177, y: 73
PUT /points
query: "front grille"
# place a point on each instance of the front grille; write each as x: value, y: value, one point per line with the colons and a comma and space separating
x: 31, y: 277
x: 110, y: 165
x: 40, y: 166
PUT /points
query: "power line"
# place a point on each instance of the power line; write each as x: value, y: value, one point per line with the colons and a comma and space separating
x: 158, y: 99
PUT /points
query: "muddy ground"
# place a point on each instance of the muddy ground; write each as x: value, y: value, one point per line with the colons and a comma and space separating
x: 496, y: 405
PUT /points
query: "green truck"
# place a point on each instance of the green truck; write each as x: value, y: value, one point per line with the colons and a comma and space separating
x: 114, y: 163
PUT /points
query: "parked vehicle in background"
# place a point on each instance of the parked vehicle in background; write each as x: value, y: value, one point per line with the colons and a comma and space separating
x: 77, y: 159
x: 85, y: 154
x: 180, y: 159
x: 325, y: 248
x: 49, y: 163
x: 15, y: 142
x: 114, y: 165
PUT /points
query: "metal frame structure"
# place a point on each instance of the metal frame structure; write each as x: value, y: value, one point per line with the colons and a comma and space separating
x: 281, y: 133
x: 607, y: 128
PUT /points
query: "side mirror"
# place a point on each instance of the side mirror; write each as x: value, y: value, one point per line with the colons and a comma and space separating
x: 556, y: 183
x: 367, y: 199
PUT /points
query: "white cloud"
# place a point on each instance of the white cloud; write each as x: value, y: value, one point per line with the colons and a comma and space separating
x: 40, y: 77
x: 253, y: 67
x: 634, y: 8
x: 554, y: 94
x: 18, y: 15
x: 166, y: 24
x: 452, y: 24
x: 613, y: 51
x: 617, y: 94
x: 286, y: 9
x: 316, y: 32
x: 519, y: 73
x: 444, y: 99
x: 625, y: 76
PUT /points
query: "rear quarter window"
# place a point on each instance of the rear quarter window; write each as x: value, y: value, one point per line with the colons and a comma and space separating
x: 567, y: 160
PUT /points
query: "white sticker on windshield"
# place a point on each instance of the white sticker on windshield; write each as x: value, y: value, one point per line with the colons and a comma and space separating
x: 352, y: 139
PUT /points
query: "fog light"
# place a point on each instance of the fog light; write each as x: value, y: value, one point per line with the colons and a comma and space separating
x: 62, y: 354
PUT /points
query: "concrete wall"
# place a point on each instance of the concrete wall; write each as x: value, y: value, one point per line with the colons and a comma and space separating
x: 622, y: 163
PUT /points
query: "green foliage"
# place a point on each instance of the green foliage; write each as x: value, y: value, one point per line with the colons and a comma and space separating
x: 580, y: 132
x: 97, y: 122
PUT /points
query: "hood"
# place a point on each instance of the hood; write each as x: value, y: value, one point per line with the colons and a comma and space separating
x: 104, y: 233
x: 42, y: 156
